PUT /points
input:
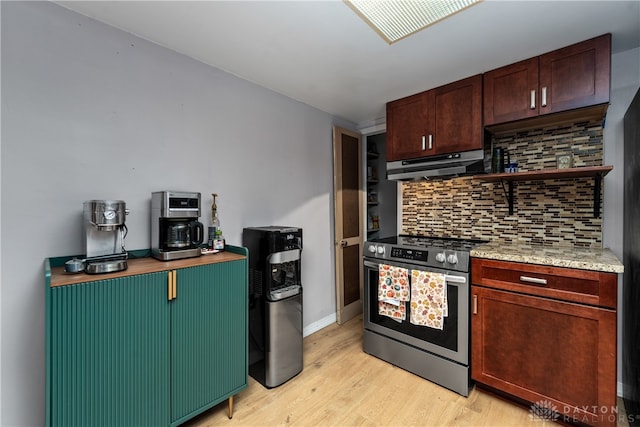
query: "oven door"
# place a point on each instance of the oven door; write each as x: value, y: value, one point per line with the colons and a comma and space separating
x: 452, y: 342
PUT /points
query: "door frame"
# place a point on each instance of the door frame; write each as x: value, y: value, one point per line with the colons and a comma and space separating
x: 345, y: 313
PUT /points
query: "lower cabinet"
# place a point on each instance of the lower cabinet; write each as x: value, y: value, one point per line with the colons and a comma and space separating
x: 108, y: 358
x: 557, y: 355
x: 208, y: 337
x: 148, y: 349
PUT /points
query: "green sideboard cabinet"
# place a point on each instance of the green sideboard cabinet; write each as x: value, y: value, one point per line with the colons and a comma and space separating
x: 143, y: 347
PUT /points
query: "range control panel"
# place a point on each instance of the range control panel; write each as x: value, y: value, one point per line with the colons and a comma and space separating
x: 409, y: 254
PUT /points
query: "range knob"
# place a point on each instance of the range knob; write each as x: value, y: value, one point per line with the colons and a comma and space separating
x: 440, y: 257
x: 452, y: 259
x: 380, y: 250
x: 372, y: 249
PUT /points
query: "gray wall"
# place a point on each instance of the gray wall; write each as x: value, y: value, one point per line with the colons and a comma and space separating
x: 91, y: 112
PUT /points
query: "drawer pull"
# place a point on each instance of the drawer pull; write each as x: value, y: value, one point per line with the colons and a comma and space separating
x: 533, y: 280
x: 475, y: 304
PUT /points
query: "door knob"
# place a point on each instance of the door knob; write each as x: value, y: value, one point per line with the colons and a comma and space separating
x: 343, y: 243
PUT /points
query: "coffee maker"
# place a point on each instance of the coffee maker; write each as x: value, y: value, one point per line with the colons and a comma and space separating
x: 175, y: 230
x: 104, y: 236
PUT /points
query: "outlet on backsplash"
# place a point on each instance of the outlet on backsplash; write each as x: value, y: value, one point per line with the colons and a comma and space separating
x: 551, y: 212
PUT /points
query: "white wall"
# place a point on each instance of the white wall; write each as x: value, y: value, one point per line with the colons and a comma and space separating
x: 625, y: 81
x: 90, y: 112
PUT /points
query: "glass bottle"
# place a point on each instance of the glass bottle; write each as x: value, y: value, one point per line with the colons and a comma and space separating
x: 218, y: 241
x: 215, y: 222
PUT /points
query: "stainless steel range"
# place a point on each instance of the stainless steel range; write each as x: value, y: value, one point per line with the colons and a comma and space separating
x: 439, y: 355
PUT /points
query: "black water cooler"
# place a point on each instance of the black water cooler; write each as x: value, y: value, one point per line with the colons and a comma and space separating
x: 275, y: 303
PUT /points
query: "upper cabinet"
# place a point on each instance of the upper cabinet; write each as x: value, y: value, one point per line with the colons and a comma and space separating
x: 444, y: 120
x: 407, y: 127
x: 573, y: 77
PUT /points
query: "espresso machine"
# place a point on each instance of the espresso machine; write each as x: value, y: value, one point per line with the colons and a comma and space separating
x: 175, y: 230
x: 275, y: 303
x: 105, y: 231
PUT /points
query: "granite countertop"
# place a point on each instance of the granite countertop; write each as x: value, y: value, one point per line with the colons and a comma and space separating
x: 595, y: 259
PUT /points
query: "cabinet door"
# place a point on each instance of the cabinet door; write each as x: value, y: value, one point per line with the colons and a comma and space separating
x: 109, y: 352
x: 508, y: 92
x: 209, y: 333
x: 576, y: 76
x: 543, y: 350
x: 406, y: 128
x: 455, y: 121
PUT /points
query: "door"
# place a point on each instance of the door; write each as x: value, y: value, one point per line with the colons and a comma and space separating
x: 452, y: 341
x: 284, y: 331
x: 208, y: 337
x: 511, y: 92
x: 455, y: 120
x: 540, y: 349
x: 109, y: 352
x: 576, y: 76
x: 406, y: 128
x: 348, y: 195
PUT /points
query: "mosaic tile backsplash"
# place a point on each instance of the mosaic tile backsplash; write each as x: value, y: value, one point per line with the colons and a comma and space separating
x: 555, y: 212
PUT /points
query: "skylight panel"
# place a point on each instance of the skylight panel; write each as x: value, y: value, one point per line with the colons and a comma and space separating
x: 394, y: 20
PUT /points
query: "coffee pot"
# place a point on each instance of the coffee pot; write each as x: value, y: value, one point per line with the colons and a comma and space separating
x: 183, y: 234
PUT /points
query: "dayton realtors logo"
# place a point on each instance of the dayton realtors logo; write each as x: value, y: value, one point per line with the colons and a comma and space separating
x: 543, y: 410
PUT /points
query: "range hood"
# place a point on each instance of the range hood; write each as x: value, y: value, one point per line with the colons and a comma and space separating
x: 465, y: 163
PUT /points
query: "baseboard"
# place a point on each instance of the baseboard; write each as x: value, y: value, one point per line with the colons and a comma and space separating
x: 620, y: 391
x: 320, y: 324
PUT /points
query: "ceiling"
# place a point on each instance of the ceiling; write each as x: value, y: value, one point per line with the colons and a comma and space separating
x: 321, y: 53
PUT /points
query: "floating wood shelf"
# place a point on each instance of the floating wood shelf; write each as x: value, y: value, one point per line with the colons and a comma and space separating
x: 597, y: 172
x: 547, y: 174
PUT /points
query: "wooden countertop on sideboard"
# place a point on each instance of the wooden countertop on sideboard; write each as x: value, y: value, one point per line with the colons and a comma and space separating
x: 141, y: 266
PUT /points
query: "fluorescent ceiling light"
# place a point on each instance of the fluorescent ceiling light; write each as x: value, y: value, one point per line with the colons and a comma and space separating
x: 396, y: 19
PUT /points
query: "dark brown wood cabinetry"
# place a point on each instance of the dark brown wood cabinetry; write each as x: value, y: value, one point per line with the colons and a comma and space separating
x: 573, y: 77
x: 407, y: 127
x: 547, y: 335
x: 444, y: 120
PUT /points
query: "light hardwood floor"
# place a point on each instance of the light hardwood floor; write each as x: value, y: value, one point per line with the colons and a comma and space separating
x: 341, y: 385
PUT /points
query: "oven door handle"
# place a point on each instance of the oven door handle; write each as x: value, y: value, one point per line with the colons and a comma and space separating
x: 449, y: 278
x: 371, y: 265
x: 455, y: 279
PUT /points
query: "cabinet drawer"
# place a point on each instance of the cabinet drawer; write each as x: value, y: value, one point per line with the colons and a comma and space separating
x: 568, y: 284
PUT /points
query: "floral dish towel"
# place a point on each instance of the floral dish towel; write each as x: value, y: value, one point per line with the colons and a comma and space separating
x: 428, y: 299
x: 393, y: 291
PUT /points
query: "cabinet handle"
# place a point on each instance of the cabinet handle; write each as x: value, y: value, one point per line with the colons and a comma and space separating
x: 424, y: 144
x: 175, y: 284
x: 430, y: 142
x: 475, y: 304
x: 543, y: 102
x: 533, y: 99
x: 171, y: 285
x: 533, y: 280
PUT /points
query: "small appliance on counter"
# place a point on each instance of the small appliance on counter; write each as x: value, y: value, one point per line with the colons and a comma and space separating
x: 175, y: 230
x: 275, y: 303
x: 104, y: 237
